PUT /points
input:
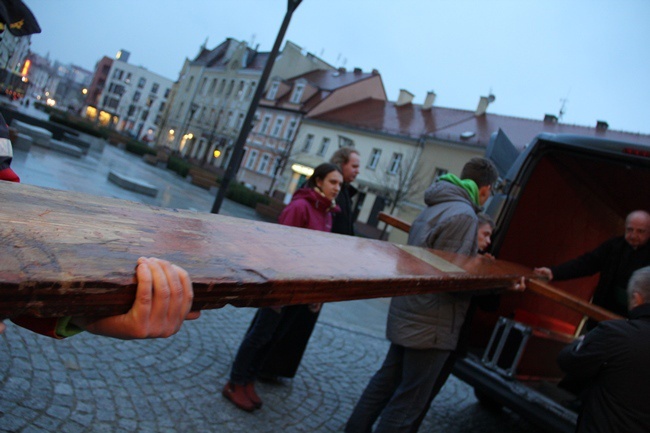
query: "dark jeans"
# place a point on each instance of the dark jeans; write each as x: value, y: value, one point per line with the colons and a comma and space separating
x: 253, y: 348
x: 269, y: 325
x: 399, y: 391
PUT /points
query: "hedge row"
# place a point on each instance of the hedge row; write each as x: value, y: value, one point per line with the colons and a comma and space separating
x: 178, y: 165
x: 240, y: 194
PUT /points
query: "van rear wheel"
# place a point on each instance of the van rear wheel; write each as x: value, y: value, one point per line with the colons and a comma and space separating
x: 487, y: 402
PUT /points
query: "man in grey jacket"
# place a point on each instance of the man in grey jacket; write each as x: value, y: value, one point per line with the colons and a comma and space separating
x: 424, y: 329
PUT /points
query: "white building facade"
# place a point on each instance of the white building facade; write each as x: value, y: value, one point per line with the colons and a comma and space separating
x: 133, y: 100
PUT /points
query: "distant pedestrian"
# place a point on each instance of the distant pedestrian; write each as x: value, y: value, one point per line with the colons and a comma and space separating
x: 311, y: 208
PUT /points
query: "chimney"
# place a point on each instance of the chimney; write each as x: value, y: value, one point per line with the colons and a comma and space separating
x: 550, y: 118
x: 483, y: 103
x: 342, y: 70
x: 357, y: 71
x: 429, y: 100
x: 601, y: 125
x: 405, y: 97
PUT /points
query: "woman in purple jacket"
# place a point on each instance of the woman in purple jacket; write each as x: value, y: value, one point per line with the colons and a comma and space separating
x: 311, y: 207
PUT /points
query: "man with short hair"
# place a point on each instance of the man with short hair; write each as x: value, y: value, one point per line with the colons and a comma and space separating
x: 485, y: 230
x: 349, y: 160
x: 614, y: 359
x: 615, y: 259
x: 424, y: 329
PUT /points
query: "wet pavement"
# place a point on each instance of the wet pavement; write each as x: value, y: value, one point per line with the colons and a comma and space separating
x: 93, y: 384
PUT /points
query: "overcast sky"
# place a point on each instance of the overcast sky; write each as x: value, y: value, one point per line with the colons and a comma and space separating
x: 531, y: 54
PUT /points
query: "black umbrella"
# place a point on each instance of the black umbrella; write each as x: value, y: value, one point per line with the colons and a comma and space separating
x: 17, y: 18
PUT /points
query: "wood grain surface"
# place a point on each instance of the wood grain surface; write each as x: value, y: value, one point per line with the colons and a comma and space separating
x: 67, y: 253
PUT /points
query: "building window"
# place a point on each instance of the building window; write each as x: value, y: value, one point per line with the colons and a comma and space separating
x: 136, y: 96
x: 395, y: 163
x: 265, y: 124
x: 203, y: 83
x: 291, y: 129
x: 252, y: 158
x: 213, y: 86
x: 249, y: 92
x: 189, y: 84
x: 308, y: 142
x: 230, y: 87
x: 273, y: 90
x: 240, y: 91
x: 167, y: 92
x: 278, y: 127
x: 240, y: 120
x: 374, y: 159
x: 127, y: 80
x: 117, y: 74
x: 345, y: 142
x: 324, y: 144
x: 264, y: 163
x: 141, y: 82
x: 154, y: 88
x: 221, y: 87
x: 297, y: 93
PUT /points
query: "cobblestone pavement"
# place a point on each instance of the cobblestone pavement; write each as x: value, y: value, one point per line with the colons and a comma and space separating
x: 93, y: 384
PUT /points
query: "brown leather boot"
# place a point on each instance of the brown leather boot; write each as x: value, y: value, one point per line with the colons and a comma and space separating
x: 238, y: 396
x: 252, y: 395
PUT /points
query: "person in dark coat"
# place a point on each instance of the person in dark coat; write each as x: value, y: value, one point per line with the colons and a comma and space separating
x: 284, y: 358
x: 311, y: 207
x: 615, y: 259
x: 349, y: 160
x: 424, y: 329
x: 613, y: 360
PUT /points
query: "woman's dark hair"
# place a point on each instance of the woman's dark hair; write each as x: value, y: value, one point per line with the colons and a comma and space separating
x: 321, y: 173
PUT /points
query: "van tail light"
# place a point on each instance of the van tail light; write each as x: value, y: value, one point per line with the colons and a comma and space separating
x: 637, y: 152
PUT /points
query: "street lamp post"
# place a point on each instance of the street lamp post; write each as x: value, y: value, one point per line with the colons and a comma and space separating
x: 238, y: 151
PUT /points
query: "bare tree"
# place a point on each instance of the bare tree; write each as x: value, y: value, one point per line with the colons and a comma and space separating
x: 397, y: 180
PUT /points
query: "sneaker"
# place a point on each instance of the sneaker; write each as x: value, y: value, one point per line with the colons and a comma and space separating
x: 252, y: 395
x: 238, y: 396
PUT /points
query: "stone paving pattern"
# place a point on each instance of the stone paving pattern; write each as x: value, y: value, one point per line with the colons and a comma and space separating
x: 94, y: 384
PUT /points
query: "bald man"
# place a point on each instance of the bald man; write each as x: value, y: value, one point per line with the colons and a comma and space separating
x: 615, y: 259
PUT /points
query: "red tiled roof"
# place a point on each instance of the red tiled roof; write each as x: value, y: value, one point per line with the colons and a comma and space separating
x: 326, y: 81
x: 412, y: 121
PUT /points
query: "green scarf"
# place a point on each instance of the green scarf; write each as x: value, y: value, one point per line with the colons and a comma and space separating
x: 467, y: 184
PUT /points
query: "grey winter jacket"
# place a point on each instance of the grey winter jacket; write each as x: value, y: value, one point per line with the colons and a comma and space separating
x: 433, y: 321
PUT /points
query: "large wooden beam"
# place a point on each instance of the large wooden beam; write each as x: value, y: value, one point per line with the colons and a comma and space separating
x: 66, y: 253
x: 535, y: 285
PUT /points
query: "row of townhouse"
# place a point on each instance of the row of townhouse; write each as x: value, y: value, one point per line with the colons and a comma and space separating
x: 310, y: 109
x: 213, y: 93
x: 281, y: 113
x: 404, y: 146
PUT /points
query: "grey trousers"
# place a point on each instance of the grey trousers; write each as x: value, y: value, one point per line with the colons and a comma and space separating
x: 399, y: 391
